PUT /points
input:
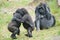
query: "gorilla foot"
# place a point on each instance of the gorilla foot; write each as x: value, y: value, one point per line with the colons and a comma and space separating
x: 13, y: 36
x: 37, y: 29
x: 28, y: 35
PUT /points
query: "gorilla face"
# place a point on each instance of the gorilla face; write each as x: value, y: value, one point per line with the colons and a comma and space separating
x: 43, y: 9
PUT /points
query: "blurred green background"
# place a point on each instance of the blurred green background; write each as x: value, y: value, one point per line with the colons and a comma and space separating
x: 6, y: 12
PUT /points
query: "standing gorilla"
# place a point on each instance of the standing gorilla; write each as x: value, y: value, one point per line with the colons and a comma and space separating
x: 28, y: 23
x: 20, y: 16
x: 15, y: 23
x: 43, y: 17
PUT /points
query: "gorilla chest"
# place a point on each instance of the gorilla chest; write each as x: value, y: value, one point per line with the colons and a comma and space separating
x: 46, y: 23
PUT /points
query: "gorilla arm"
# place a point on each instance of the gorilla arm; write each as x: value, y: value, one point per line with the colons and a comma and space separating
x: 27, y: 18
x: 17, y: 17
x: 20, y: 20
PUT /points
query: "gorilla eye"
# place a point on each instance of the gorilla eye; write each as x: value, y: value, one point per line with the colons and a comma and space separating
x: 41, y: 8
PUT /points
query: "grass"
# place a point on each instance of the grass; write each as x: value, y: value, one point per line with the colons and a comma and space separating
x: 40, y: 35
x: 9, y: 4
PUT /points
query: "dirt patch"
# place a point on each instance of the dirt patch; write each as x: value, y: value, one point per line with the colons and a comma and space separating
x: 56, y: 38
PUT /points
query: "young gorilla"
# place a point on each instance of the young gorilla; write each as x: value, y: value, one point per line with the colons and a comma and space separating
x: 43, y: 17
x: 15, y: 23
x: 28, y: 23
x: 21, y: 15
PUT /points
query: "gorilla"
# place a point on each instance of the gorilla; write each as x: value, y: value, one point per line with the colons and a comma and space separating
x: 44, y: 19
x: 21, y: 16
x: 28, y: 23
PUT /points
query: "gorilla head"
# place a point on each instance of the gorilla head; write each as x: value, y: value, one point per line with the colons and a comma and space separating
x: 43, y: 9
x: 22, y: 11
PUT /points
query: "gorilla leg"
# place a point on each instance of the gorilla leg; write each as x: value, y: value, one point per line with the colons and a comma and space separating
x: 29, y: 32
x: 29, y: 29
x: 18, y: 32
x: 13, y: 35
x: 37, y: 23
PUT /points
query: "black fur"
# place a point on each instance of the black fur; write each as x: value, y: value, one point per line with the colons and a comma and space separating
x: 15, y: 23
x: 28, y: 23
x: 44, y: 17
x: 21, y: 16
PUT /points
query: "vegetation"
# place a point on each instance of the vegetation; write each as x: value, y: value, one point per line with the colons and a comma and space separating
x: 5, y: 17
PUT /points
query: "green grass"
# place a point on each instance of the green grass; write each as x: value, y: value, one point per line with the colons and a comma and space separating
x: 40, y: 35
x: 8, y: 4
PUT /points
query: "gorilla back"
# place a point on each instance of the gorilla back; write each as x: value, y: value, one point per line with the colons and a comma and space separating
x: 28, y: 23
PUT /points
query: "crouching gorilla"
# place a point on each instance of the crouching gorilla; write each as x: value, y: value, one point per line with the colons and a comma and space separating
x: 43, y: 17
x: 21, y: 16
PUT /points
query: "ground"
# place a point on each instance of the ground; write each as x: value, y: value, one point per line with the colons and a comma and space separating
x: 6, y: 10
